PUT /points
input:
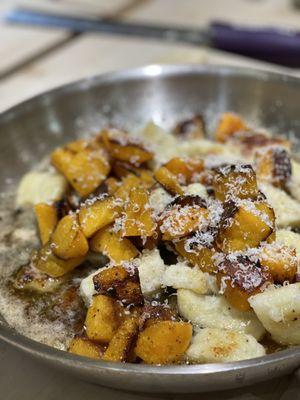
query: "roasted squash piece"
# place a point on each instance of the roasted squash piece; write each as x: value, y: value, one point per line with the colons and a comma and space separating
x: 245, y: 225
x: 228, y: 125
x: 46, y: 261
x: 120, y: 283
x: 84, y: 166
x: 94, y: 216
x: 234, y: 181
x: 30, y: 279
x: 112, y: 184
x: 239, y: 278
x: 67, y: 240
x: 185, y: 170
x: 103, y: 319
x: 122, y: 169
x: 281, y: 261
x: 186, y: 214
x: 273, y: 165
x: 120, y: 346
x: 46, y: 215
x: 199, y: 255
x: 193, y: 128
x: 117, y: 249
x: 138, y: 219
x: 128, y: 182
x: 124, y: 148
x: 164, y: 342
x: 168, y: 180
x: 82, y: 346
x: 151, y: 314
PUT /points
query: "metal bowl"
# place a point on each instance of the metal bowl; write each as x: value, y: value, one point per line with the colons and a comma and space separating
x: 32, y: 129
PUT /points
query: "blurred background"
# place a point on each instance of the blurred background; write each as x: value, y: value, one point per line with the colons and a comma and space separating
x: 36, y: 58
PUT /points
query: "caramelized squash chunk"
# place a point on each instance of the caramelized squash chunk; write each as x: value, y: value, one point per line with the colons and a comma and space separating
x: 84, y: 164
x: 82, y: 346
x: 228, y: 125
x: 126, y: 149
x: 168, y: 180
x: 138, y: 219
x: 117, y: 249
x: 112, y: 184
x: 273, y: 165
x: 103, y: 319
x: 120, y: 346
x: 46, y: 215
x: 127, y: 183
x: 46, y: 261
x: 234, y: 181
x: 185, y: 170
x: 184, y: 215
x: 245, y: 225
x: 122, y: 169
x: 281, y: 261
x: 67, y: 240
x: 120, y: 283
x: 193, y: 128
x: 97, y: 215
x: 164, y: 342
x: 239, y: 278
x: 152, y: 314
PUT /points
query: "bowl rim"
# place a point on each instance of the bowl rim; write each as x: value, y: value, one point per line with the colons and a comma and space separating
x: 42, y: 351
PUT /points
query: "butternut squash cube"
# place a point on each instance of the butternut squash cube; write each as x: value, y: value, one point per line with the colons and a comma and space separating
x: 82, y: 346
x: 122, y: 284
x: 126, y: 149
x: 168, y: 180
x: 85, y: 167
x: 122, y: 169
x: 273, y: 165
x: 120, y: 346
x: 241, y: 278
x: 112, y: 184
x: 228, y: 125
x: 46, y: 215
x: 234, y: 181
x: 116, y: 248
x: 164, y: 342
x: 138, y: 219
x: 95, y: 216
x: 128, y: 182
x: 46, y: 261
x: 245, y: 225
x: 280, y: 261
x: 193, y: 128
x: 68, y: 241
x: 185, y: 170
x: 103, y: 319
x: 186, y: 214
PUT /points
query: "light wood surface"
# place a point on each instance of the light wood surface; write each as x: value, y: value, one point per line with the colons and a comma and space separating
x: 34, y: 60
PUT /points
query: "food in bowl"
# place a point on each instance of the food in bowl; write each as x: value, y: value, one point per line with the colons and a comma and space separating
x: 158, y: 247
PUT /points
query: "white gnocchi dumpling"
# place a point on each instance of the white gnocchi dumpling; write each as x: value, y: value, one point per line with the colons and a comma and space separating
x: 181, y: 276
x: 209, y: 311
x: 278, y: 309
x: 151, y: 271
x: 212, y: 345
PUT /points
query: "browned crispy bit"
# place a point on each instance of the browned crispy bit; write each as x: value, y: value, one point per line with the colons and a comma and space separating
x: 123, y: 341
x: 154, y: 313
x: 168, y: 180
x: 193, y: 128
x: 124, y: 148
x: 184, y: 215
x: 82, y: 346
x: 120, y: 283
x: 228, y: 125
x: 281, y: 261
x: 234, y: 181
x: 274, y: 166
x: 245, y: 225
x: 186, y: 170
x: 239, y: 278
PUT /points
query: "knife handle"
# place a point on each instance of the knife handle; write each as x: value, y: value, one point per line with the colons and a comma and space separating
x: 269, y: 44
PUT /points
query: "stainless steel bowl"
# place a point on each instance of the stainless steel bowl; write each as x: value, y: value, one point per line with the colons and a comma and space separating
x: 130, y: 98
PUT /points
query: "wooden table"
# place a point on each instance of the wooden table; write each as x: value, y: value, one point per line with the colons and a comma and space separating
x: 34, y: 59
